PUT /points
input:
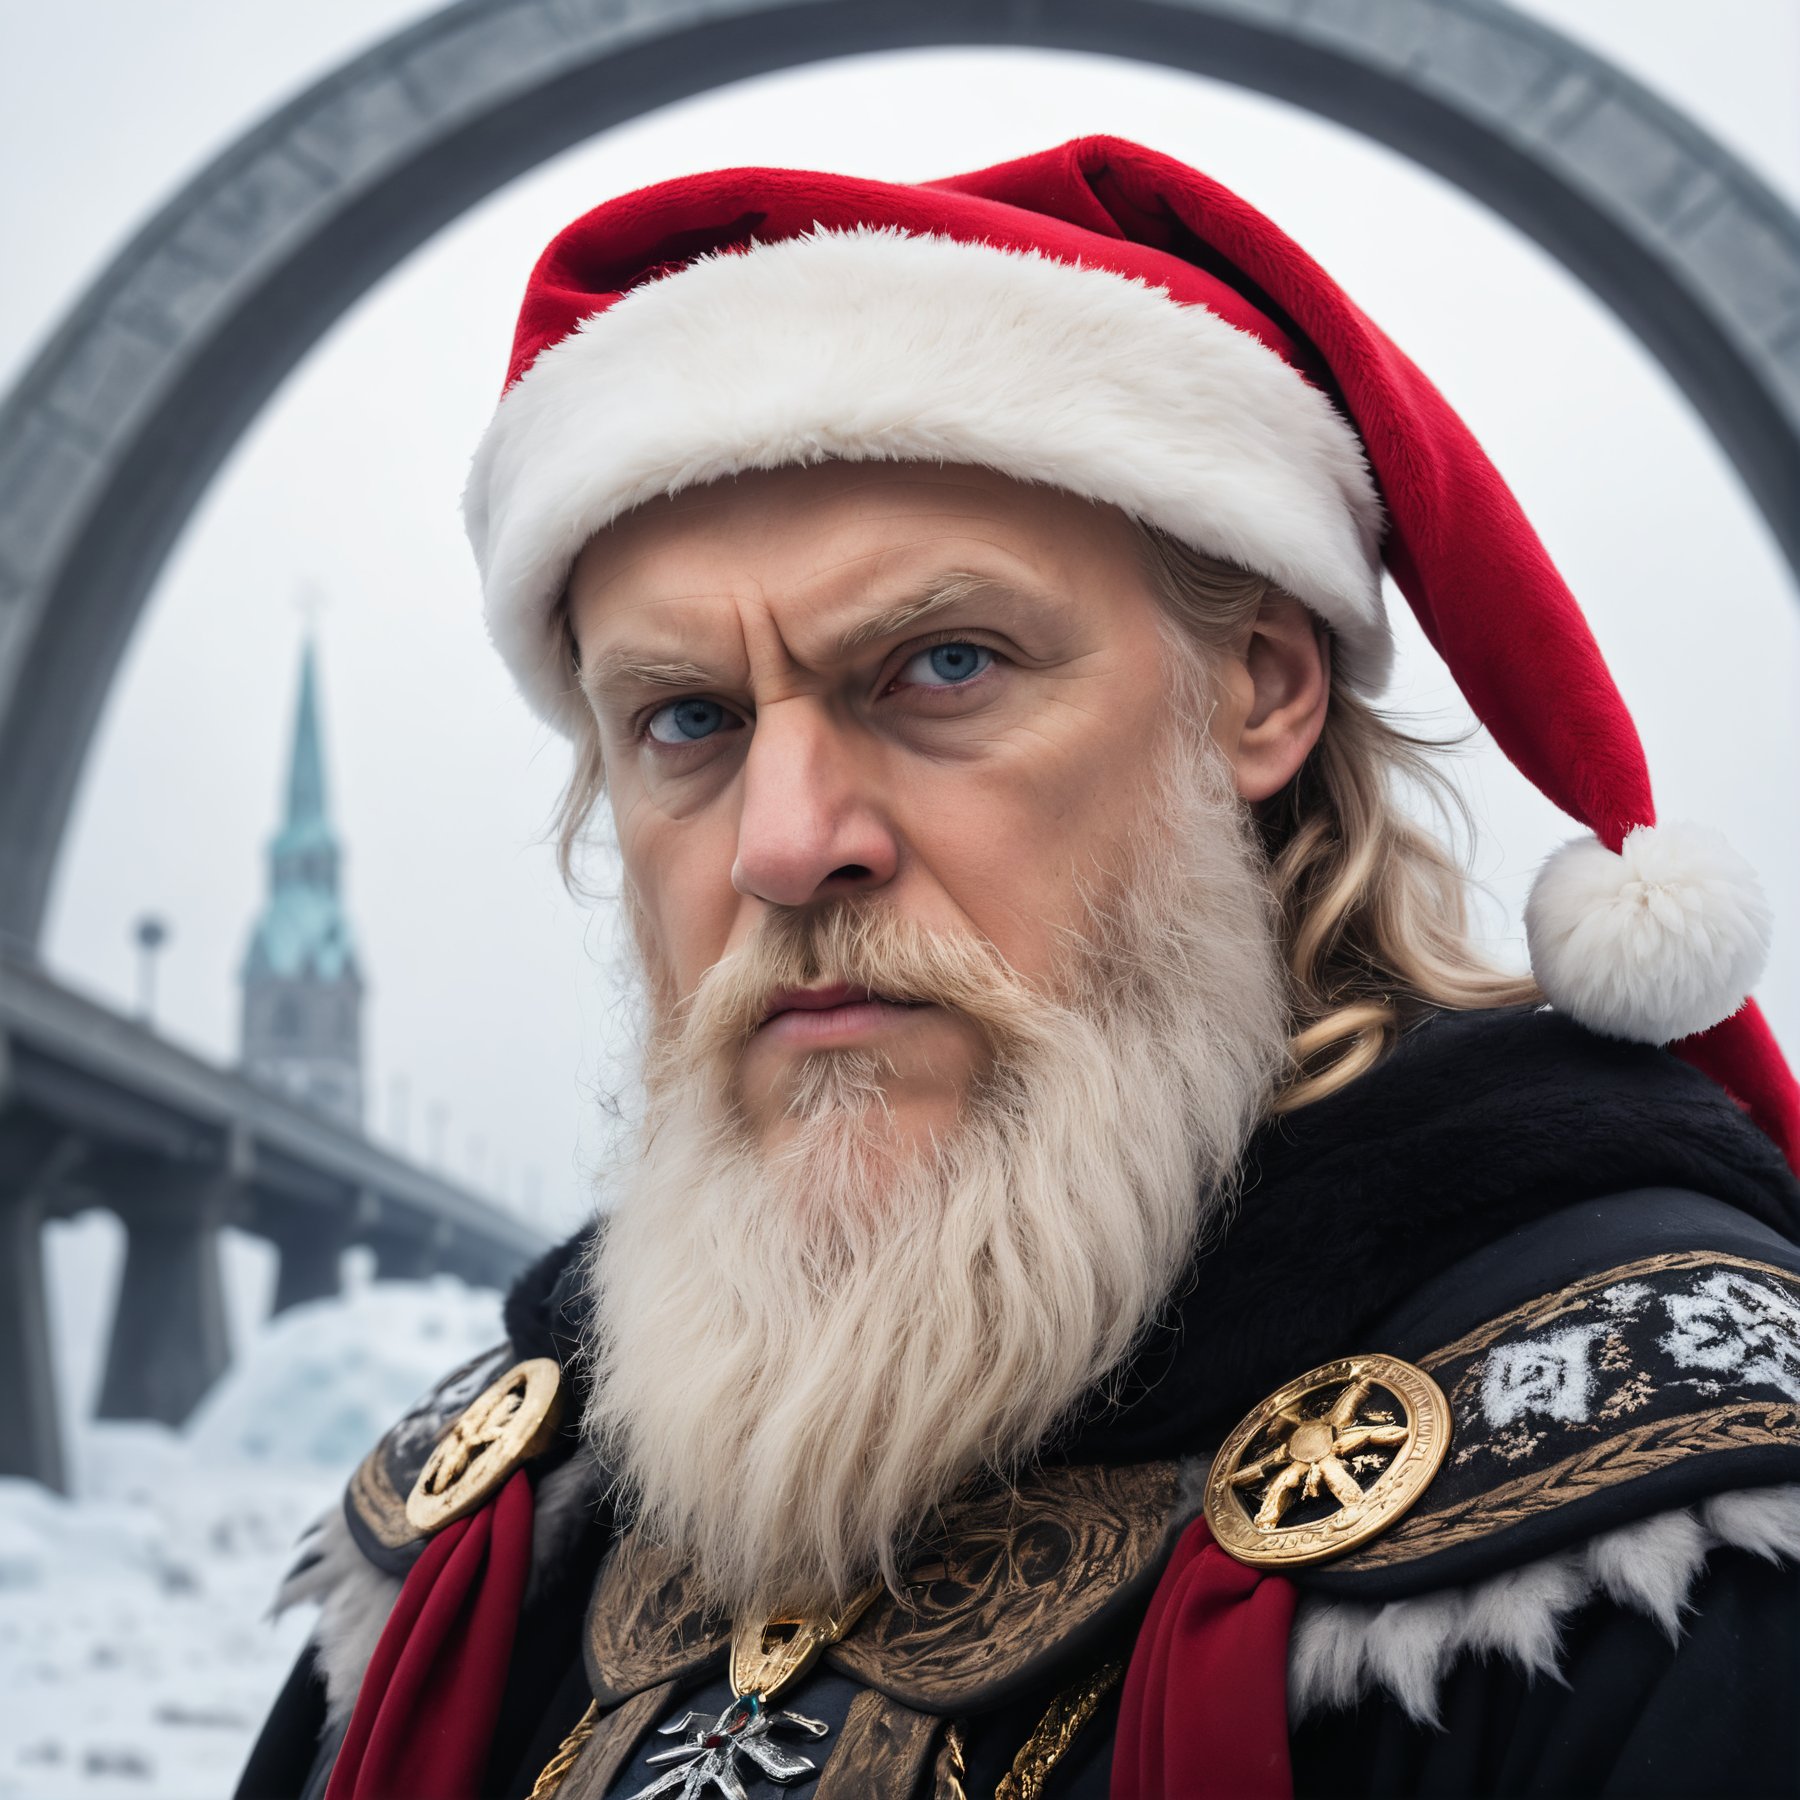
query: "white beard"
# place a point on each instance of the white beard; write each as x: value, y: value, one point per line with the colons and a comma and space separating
x: 798, y: 1356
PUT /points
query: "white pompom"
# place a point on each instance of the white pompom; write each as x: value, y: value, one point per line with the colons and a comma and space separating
x: 1656, y: 943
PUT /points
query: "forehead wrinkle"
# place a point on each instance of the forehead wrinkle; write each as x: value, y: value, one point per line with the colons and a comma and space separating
x: 653, y: 660
x: 622, y: 667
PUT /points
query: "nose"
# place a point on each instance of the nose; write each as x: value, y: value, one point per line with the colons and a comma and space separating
x: 812, y: 826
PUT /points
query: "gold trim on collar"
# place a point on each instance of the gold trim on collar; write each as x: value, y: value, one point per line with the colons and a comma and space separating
x: 1624, y: 1456
x: 1621, y: 1455
x: 378, y: 1503
x: 1009, y: 1577
x: 1546, y: 1309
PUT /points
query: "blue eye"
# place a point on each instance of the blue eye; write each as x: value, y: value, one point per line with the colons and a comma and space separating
x: 947, y: 665
x: 688, y: 721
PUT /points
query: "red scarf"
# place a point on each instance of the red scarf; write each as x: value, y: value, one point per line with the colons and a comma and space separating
x: 1204, y: 1712
x: 427, y: 1708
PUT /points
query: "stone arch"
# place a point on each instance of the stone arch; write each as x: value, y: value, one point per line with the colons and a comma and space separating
x: 111, y: 436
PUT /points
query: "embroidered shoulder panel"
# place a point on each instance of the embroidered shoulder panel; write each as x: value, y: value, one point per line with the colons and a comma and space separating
x: 1647, y: 1384
x: 1016, y: 1579
x: 375, y: 1501
x: 1019, y: 1577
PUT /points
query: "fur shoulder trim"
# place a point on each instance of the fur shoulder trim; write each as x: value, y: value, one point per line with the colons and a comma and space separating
x: 1343, y: 1651
x: 354, y: 1599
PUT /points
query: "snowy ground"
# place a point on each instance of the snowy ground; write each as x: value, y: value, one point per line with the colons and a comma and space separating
x: 136, y: 1655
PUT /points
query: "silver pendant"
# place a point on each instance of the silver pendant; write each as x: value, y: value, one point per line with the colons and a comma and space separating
x: 709, y: 1758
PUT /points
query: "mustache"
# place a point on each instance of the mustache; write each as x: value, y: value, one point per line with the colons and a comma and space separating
x: 862, y: 944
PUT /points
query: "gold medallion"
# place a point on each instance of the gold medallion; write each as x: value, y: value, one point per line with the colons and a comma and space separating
x: 504, y: 1426
x: 771, y: 1656
x: 1328, y: 1462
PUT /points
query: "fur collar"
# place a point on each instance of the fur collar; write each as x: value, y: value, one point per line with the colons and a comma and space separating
x: 1342, y: 1652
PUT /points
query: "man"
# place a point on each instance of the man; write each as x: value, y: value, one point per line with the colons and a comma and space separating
x: 1109, y: 1294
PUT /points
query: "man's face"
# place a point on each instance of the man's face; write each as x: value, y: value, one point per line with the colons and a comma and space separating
x: 935, y: 687
x: 917, y: 733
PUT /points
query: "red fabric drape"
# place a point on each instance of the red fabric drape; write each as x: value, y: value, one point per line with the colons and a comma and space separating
x: 1742, y: 1056
x: 1204, y: 1712
x: 426, y: 1711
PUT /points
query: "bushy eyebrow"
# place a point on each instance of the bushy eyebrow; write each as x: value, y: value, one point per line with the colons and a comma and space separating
x: 615, y: 670
x: 622, y: 668
x: 946, y: 591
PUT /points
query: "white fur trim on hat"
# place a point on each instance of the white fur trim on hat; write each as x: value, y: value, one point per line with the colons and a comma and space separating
x: 1661, y: 941
x: 878, y: 345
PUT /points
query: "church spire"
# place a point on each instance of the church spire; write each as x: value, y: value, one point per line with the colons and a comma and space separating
x: 302, y: 1018
x: 306, y: 765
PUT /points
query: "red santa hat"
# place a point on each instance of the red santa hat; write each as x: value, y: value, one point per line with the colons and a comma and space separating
x: 1108, y: 321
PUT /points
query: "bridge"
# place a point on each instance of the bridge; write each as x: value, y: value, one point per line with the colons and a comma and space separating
x: 96, y: 1110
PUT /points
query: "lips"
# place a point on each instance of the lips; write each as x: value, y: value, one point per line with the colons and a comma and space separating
x: 821, y: 1017
x: 819, y: 999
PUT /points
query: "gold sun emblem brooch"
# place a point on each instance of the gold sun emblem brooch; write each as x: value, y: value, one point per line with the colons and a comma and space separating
x: 1328, y: 1462
x: 505, y: 1425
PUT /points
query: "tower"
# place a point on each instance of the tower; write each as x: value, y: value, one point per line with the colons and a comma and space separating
x: 302, y: 1020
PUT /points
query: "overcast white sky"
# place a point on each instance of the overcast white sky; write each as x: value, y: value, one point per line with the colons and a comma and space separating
x: 489, y: 987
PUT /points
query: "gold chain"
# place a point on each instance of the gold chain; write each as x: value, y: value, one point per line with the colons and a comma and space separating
x: 1049, y: 1743
x: 556, y: 1770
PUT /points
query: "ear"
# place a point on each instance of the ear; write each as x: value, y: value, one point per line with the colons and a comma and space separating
x: 1275, y: 689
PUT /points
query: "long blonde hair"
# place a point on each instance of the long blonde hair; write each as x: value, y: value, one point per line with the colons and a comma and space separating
x: 1373, y: 907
